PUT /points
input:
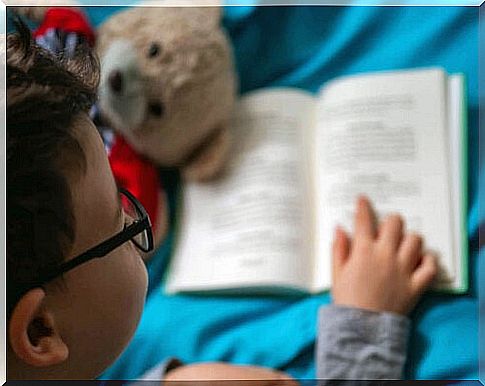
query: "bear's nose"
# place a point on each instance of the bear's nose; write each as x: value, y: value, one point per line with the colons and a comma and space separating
x: 115, y: 80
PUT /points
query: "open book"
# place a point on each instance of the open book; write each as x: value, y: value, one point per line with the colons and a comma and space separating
x: 298, y: 164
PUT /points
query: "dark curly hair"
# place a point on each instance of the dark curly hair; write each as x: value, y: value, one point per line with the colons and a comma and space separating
x: 45, y: 94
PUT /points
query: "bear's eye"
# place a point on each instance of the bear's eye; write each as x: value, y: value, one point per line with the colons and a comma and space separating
x: 154, y: 50
x: 155, y: 108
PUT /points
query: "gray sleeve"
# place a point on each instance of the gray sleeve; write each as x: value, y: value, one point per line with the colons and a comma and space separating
x: 359, y: 344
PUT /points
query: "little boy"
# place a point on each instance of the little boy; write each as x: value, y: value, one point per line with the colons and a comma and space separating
x: 76, y: 283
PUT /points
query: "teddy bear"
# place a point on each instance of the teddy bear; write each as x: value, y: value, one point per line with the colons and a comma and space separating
x: 168, y: 85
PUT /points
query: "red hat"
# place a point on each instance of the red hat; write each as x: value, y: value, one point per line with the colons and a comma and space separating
x: 68, y: 20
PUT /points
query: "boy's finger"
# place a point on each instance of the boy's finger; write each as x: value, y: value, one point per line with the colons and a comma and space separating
x: 424, y: 273
x: 390, y: 231
x: 341, y: 247
x: 364, y: 219
x: 410, y: 251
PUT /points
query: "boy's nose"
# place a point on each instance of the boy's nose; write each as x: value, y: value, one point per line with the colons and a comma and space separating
x: 115, y: 80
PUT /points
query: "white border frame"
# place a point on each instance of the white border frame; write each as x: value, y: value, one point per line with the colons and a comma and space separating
x: 3, y: 3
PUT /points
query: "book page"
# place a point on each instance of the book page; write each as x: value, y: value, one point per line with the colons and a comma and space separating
x: 249, y: 228
x: 384, y: 135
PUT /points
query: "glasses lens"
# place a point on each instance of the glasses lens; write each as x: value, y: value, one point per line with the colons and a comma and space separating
x: 141, y: 239
x: 132, y: 215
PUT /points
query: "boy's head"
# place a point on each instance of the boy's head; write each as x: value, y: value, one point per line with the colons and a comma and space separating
x: 61, y: 202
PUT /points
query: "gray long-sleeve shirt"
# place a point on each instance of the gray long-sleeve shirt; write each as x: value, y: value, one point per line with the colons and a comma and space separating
x: 352, y: 344
x: 358, y: 344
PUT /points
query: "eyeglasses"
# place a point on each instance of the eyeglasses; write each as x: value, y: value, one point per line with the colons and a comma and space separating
x: 138, y: 229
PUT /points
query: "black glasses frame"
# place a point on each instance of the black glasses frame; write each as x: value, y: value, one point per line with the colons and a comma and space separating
x: 102, y: 249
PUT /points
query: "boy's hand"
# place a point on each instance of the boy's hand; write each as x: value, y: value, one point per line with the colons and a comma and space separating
x: 380, y: 270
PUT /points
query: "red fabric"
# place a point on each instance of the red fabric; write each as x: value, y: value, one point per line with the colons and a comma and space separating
x: 136, y: 174
x: 69, y: 20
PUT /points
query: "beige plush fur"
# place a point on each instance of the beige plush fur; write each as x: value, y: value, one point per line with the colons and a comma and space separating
x: 168, y: 85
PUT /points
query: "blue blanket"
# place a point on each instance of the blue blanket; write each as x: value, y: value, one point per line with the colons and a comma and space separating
x: 305, y: 47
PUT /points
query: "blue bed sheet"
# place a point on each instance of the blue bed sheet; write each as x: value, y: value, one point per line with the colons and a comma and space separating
x: 305, y: 47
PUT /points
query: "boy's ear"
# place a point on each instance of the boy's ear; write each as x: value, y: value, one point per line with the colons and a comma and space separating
x: 32, y: 332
